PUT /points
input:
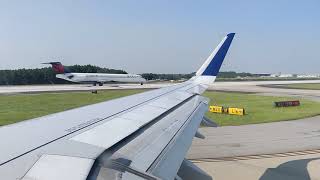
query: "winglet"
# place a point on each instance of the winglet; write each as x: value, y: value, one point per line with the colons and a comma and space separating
x: 210, y: 68
x: 212, y: 65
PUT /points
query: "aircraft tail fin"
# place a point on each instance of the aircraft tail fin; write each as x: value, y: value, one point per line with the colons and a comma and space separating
x: 58, y: 67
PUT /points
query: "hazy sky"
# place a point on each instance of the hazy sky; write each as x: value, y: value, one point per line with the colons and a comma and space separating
x: 161, y: 36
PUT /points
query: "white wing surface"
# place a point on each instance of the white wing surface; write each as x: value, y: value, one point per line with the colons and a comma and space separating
x: 143, y: 136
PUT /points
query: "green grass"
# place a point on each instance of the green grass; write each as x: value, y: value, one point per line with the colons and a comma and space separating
x: 15, y: 108
x: 311, y: 86
x: 259, y: 109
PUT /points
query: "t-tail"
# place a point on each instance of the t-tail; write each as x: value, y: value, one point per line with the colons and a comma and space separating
x: 210, y: 68
x: 58, y: 67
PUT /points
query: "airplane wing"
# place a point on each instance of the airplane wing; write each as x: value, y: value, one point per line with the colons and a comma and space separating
x: 143, y: 136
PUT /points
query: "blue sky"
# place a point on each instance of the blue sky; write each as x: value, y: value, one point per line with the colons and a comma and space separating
x: 161, y: 36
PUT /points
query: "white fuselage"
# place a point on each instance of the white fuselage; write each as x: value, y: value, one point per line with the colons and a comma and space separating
x: 101, y: 77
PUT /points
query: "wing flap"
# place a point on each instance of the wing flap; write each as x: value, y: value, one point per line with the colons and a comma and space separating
x: 118, y: 128
x: 169, y: 161
x: 53, y: 167
x: 108, y: 134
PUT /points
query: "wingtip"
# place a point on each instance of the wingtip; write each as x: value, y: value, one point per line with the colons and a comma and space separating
x: 231, y: 34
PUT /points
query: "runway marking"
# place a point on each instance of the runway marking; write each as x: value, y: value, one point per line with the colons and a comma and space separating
x: 262, y: 156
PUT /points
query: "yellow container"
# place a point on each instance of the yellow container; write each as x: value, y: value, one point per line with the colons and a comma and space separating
x: 216, y: 109
x: 236, y: 111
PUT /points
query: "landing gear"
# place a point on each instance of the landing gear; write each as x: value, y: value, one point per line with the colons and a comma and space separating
x: 98, y: 83
x: 141, y: 83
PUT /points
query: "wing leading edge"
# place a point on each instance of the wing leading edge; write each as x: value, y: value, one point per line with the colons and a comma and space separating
x: 146, y: 139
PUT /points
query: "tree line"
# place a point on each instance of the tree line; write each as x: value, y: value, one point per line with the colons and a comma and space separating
x: 228, y: 74
x: 153, y: 76
x: 46, y: 75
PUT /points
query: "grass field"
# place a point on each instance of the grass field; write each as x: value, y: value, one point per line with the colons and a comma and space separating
x: 15, y: 108
x: 312, y: 86
x: 259, y: 109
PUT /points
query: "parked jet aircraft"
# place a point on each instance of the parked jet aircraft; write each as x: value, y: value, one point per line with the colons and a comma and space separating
x: 95, y: 78
x: 143, y: 136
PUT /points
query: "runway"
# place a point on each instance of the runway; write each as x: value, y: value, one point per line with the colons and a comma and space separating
x: 74, y: 87
x: 264, y: 88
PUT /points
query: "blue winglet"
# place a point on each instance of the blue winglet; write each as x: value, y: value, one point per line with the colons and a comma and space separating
x: 214, y: 65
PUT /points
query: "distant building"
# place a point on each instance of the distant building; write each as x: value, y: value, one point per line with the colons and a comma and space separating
x: 279, y: 75
x: 286, y: 75
x: 307, y: 76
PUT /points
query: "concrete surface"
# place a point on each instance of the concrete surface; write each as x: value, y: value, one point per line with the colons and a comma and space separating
x: 268, y: 138
x: 259, y: 87
x: 296, y: 167
x: 74, y: 87
x: 288, y: 150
